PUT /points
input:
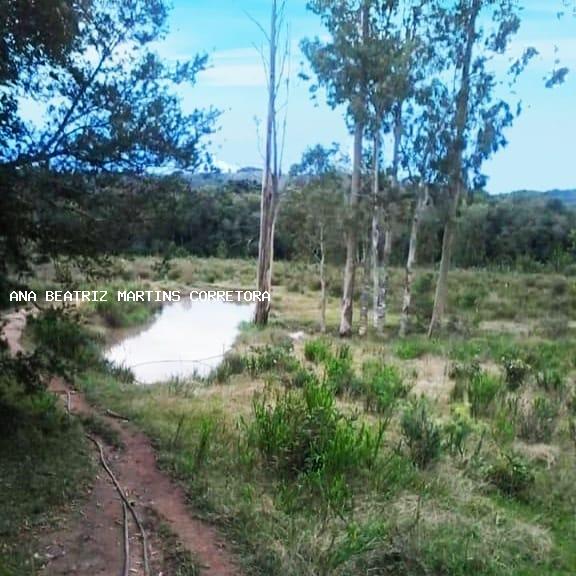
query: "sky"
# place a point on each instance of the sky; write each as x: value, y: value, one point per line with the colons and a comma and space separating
x: 541, y: 150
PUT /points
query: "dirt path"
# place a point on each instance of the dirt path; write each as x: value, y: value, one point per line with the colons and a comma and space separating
x: 90, y: 542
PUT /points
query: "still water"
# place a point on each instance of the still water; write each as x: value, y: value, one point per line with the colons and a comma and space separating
x: 185, y: 338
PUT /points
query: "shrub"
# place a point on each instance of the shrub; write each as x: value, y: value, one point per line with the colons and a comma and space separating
x: 515, y: 372
x: 414, y: 348
x: 317, y: 350
x: 64, y: 341
x: 537, y: 421
x: 301, y: 377
x: 339, y: 373
x: 511, y: 475
x: 232, y: 364
x: 302, y: 434
x: 266, y: 358
x: 382, y: 385
x: 457, y: 431
x: 551, y: 380
x: 422, y: 436
x: 462, y: 373
x: 482, y: 391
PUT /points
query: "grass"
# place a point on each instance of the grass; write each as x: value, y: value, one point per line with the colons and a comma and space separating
x: 318, y: 458
x: 44, y: 466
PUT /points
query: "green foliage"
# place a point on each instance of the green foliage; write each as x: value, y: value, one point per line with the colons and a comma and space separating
x: 61, y: 338
x: 551, y: 380
x: 511, y: 475
x: 457, y: 431
x: 124, y: 314
x: 482, y: 391
x: 382, y: 386
x: 317, y: 350
x: 516, y: 371
x: 412, y: 348
x: 232, y: 364
x: 421, y: 434
x: 267, y: 358
x: 302, y: 434
x: 339, y: 374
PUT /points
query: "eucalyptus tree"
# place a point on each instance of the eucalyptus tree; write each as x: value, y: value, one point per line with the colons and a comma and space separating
x: 275, y: 66
x: 398, y: 56
x: 316, y: 204
x: 341, y: 65
x: 471, y: 33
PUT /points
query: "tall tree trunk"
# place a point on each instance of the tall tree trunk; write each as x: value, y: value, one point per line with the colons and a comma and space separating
x: 365, y: 295
x: 269, y: 184
x: 411, y: 261
x: 383, y: 297
x: 351, y: 237
x: 456, y: 180
x: 347, y: 309
x: 322, y: 281
x: 383, y: 291
x: 377, y: 309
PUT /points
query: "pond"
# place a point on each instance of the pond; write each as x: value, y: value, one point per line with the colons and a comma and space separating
x: 185, y: 338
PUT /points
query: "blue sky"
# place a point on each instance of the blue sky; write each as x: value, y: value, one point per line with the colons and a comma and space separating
x: 541, y: 149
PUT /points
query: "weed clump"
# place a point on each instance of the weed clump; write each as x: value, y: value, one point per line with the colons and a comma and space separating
x: 302, y: 434
x: 511, y: 475
x: 537, y: 420
x: 317, y: 350
x: 421, y: 434
x: 382, y: 385
x: 339, y: 373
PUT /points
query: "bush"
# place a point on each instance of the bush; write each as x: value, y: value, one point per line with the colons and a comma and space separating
x: 551, y: 380
x: 515, y: 372
x: 266, y: 358
x: 457, y: 431
x: 317, y: 350
x: 462, y: 373
x: 382, y: 385
x: 422, y: 436
x: 414, y: 348
x: 302, y: 434
x: 64, y: 341
x: 231, y: 365
x: 511, y: 475
x: 482, y: 391
x: 340, y: 377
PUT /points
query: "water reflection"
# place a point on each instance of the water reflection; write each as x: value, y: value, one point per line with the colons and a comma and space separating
x: 185, y: 338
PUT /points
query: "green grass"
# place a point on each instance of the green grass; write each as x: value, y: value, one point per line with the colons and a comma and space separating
x: 40, y: 473
x: 318, y: 459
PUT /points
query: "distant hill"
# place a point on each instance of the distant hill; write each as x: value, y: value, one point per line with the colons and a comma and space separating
x: 567, y: 197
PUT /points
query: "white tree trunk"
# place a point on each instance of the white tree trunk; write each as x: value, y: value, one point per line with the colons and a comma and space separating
x: 322, y: 281
x: 377, y: 310
x: 346, y: 313
x: 365, y: 296
x: 269, y: 184
x: 411, y: 261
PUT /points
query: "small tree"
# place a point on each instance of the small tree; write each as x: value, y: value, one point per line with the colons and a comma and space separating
x: 318, y: 197
x: 475, y: 129
x: 341, y: 66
